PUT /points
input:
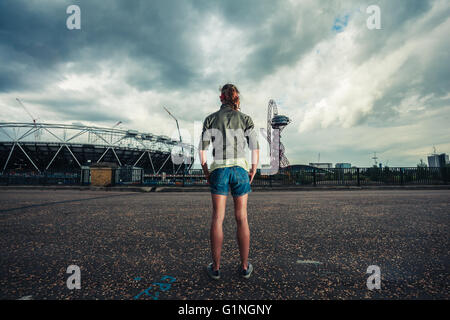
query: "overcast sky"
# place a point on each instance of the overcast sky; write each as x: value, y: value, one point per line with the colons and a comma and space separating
x: 349, y: 90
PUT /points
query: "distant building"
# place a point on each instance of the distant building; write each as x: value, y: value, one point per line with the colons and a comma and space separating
x: 322, y: 165
x: 433, y: 161
x: 299, y: 167
x: 343, y: 165
x: 445, y: 159
x: 438, y: 160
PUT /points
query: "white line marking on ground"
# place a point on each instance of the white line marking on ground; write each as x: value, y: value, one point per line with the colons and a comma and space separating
x: 308, y: 262
x: 26, y: 298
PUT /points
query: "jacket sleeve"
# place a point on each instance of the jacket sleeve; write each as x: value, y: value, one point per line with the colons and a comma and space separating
x: 205, y: 138
x: 251, y: 135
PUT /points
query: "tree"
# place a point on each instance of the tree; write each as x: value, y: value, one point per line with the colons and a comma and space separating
x: 421, y: 164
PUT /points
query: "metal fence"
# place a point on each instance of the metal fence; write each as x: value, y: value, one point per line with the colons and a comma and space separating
x: 357, y: 177
x: 315, y: 177
x: 286, y: 177
x: 44, y: 178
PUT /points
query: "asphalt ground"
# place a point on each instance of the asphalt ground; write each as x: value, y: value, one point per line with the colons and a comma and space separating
x: 304, y: 245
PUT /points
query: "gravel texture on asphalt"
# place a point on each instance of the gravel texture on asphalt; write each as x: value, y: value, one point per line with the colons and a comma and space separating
x: 304, y: 245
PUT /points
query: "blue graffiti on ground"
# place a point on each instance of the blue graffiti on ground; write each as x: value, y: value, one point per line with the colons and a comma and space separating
x: 152, y: 290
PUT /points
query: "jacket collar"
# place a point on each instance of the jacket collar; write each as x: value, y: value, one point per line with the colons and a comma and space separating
x: 226, y: 105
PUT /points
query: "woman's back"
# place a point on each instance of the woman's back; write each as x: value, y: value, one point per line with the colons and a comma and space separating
x: 230, y: 131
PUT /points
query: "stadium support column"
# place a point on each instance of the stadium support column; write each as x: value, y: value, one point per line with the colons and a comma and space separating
x: 73, y: 155
x: 51, y: 161
x: 151, y: 162
x: 18, y: 144
x: 163, y: 164
x: 139, y: 159
x: 117, y: 158
x: 9, y: 156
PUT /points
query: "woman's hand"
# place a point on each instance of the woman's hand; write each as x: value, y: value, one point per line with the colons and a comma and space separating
x: 204, y: 164
x: 251, y: 174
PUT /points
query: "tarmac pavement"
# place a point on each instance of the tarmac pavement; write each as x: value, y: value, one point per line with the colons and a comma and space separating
x: 304, y: 245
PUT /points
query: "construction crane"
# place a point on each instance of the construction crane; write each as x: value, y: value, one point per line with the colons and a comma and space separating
x: 276, y: 121
x: 37, y: 132
x: 117, y: 124
x: 181, y: 140
x: 176, y: 120
x: 434, y: 151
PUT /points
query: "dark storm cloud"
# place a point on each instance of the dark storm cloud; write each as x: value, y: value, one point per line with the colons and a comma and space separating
x: 153, y: 33
x: 30, y: 43
x: 422, y: 74
x: 394, y: 18
x: 274, y: 31
x: 75, y: 108
x: 158, y: 36
x: 86, y: 114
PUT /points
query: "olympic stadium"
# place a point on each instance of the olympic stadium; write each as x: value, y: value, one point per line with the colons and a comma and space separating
x: 41, y: 147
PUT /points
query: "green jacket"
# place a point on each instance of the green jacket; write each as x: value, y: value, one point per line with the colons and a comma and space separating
x: 234, y: 128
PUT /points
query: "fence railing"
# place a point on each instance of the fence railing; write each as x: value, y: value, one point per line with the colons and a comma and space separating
x: 45, y: 178
x: 286, y: 177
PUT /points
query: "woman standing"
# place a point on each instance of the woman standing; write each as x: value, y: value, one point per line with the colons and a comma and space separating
x: 230, y: 131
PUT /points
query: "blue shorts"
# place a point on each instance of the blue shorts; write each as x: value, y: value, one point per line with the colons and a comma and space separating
x: 237, y: 177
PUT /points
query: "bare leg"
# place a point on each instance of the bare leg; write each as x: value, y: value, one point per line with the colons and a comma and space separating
x: 243, y: 231
x: 216, y: 232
